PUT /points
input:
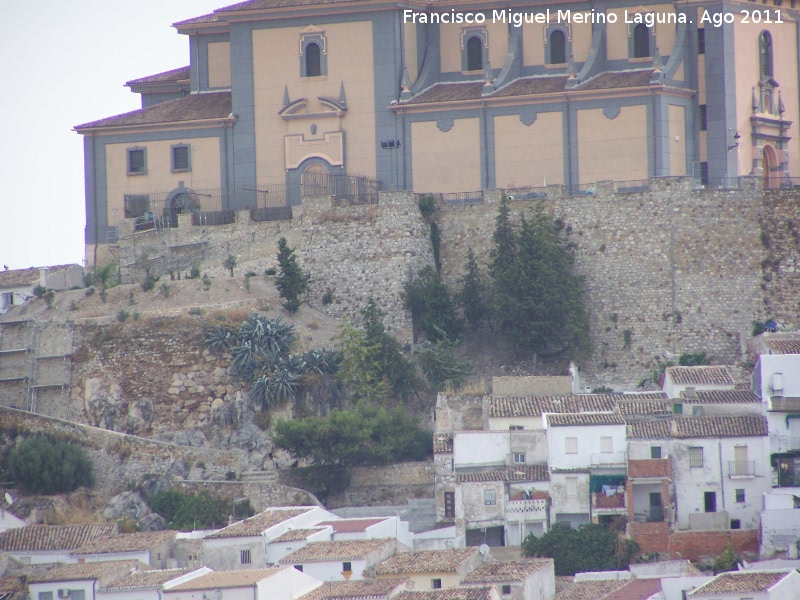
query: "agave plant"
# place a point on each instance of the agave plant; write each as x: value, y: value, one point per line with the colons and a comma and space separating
x: 283, y: 386
x: 218, y: 338
x: 321, y: 362
x: 260, y: 393
x: 244, y: 359
x: 294, y: 363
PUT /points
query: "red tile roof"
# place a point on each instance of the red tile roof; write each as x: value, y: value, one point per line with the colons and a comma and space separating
x: 294, y: 535
x: 351, y: 525
x: 259, y: 523
x: 604, y: 418
x: 517, y: 473
x: 126, y: 542
x: 740, y: 582
x: 341, y: 550
x: 618, y: 79
x: 701, y: 375
x: 691, y: 427
x: 86, y: 571
x: 145, y: 579
x: 425, y: 561
x: 784, y: 346
x: 194, y: 107
x: 504, y: 572
x: 531, y: 86
x: 23, y: 277
x: 590, y: 590
x: 533, y: 406
x: 226, y: 579
x: 722, y: 397
x: 655, y: 429
x: 475, y: 593
x: 365, y: 588
x: 209, y: 18
x: 637, y: 589
x: 174, y: 75
x: 52, y: 537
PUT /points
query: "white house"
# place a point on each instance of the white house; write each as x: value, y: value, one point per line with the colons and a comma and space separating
x: 517, y: 580
x: 780, y: 523
x: 16, y: 285
x: 750, y: 585
x: 370, y: 528
x: 154, y: 548
x: 294, y: 539
x: 701, y: 378
x: 9, y: 520
x: 475, y: 449
x: 146, y: 585
x: 587, y: 461
x: 720, y: 469
x: 43, y: 544
x: 78, y: 581
x: 274, y: 583
x: 342, y: 561
x: 243, y: 544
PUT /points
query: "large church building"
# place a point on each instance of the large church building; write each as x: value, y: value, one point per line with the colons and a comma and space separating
x: 453, y: 96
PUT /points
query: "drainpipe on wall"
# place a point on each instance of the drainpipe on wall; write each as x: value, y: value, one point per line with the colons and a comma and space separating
x: 94, y: 196
x: 722, y: 475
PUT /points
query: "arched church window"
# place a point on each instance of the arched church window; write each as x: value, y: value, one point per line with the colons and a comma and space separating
x: 558, y: 47
x: 641, y: 41
x: 313, y: 56
x: 765, y: 54
x: 474, y: 54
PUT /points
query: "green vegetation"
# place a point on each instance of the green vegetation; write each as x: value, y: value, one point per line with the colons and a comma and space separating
x: 148, y: 283
x: 427, y: 205
x: 538, y: 299
x: 123, y: 315
x: 230, y: 263
x: 360, y: 436
x: 687, y: 359
x: 726, y: 561
x: 590, y: 548
x: 443, y: 367
x: 186, y: 512
x: 292, y: 282
x: 43, y: 465
x: 432, y: 309
x: 165, y: 289
x: 472, y: 295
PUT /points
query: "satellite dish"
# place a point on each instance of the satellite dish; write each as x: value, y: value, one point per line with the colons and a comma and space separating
x: 484, y: 549
x: 9, y: 499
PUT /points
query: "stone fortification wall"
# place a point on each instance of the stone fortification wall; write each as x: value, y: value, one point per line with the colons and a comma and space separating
x: 358, y: 252
x: 780, y: 236
x: 679, y: 268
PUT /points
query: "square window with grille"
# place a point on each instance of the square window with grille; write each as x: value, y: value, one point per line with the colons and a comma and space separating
x: 606, y: 445
x: 449, y: 505
x: 180, y: 158
x: 137, y: 161
x: 347, y: 567
x: 506, y: 589
x: 571, y: 445
x: 655, y: 451
x: 244, y: 557
x: 519, y: 458
x: 489, y: 497
x: 436, y: 584
x: 695, y: 457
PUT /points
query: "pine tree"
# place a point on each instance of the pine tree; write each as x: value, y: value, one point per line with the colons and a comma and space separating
x: 471, y: 295
x: 292, y: 282
x: 538, y: 300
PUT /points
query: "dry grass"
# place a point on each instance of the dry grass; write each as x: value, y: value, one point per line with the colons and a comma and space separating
x: 82, y: 508
x: 473, y: 387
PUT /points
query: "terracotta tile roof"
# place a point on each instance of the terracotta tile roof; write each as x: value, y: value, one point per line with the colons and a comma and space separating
x: 503, y: 572
x: 642, y: 408
x: 352, y: 525
x: 126, y: 542
x: 705, y: 375
x: 52, y: 537
x: 209, y: 18
x: 531, y: 86
x: 425, y: 561
x: 85, y: 571
x: 13, y: 588
x: 784, y: 346
x: 655, y: 429
x: 442, y: 443
x: 722, y: 397
x: 740, y: 582
x: 637, y: 589
x: 341, y: 550
x: 533, y: 406
x: 24, y: 277
x: 618, y: 79
x: 590, y: 590
x: 145, y: 579
x: 517, y: 473
x: 194, y: 107
x: 294, y: 535
x: 476, y: 593
x: 173, y: 75
x: 226, y: 579
x: 448, y: 92
x: 604, y: 418
x: 267, y: 4
x: 365, y: 588
x: 259, y: 523
x: 689, y: 427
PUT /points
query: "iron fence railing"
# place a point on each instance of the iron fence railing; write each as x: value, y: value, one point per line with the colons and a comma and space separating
x: 345, y: 189
x: 526, y: 193
x: 461, y: 198
x: 208, y: 206
x: 632, y: 187
x: 726, y: 183
x: 583, y: 189
x: 742, y: 468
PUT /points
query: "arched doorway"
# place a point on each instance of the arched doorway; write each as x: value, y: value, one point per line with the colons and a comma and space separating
x: 770, y: 167
x: 314, y: 181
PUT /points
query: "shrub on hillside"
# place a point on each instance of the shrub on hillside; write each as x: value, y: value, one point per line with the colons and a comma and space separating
x: 43, y: 465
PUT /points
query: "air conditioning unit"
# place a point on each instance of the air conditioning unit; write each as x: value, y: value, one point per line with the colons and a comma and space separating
x: 63, y: 593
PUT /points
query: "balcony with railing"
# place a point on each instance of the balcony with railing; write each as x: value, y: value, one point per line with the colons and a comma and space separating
x: 741, y: 468
x: 611, y: 504
x: 784, y: 403
x: 654, y: 514
x: 527, y: 510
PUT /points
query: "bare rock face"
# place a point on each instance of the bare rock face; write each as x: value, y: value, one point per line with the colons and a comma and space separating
x: 127, y: 505
x: 152, y: 522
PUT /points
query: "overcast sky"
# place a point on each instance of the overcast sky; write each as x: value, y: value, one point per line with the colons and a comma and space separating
x: 64, y: 63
